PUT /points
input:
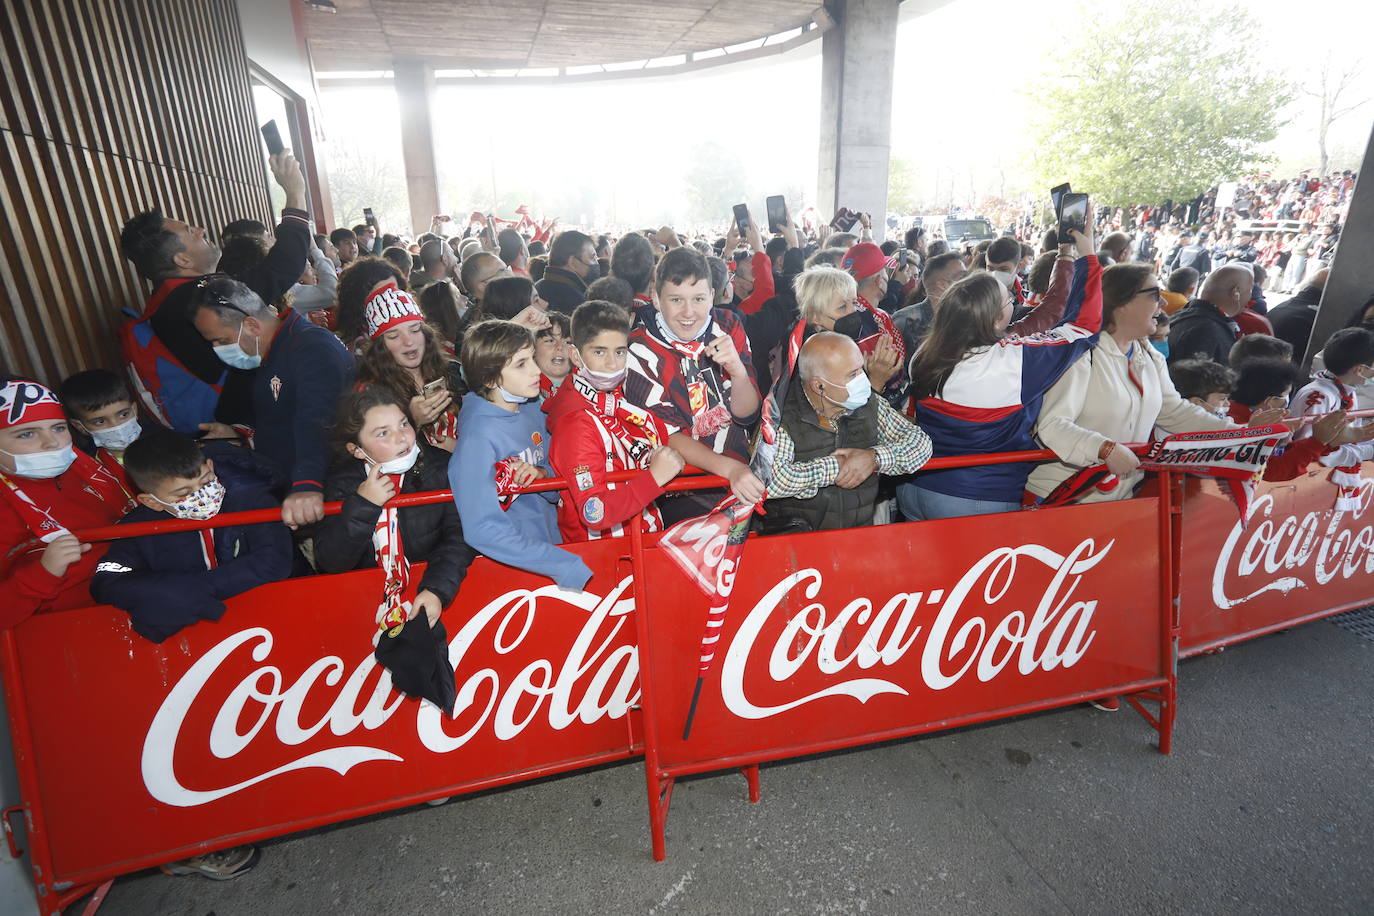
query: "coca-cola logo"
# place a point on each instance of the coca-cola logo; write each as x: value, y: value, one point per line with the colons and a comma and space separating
x: 1057, y: 633
x: 978, y: 628
x: 595, y: 679
x: 1266, y: 554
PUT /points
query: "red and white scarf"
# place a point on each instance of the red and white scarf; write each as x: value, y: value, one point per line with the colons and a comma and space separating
x: 637, y: 429
x: 89, y: 475
x: 391, y: 559
x: 887, y: 329
x: 1347, y: 477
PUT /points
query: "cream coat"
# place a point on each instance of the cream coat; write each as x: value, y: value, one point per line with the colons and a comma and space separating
x: 1096, y: 401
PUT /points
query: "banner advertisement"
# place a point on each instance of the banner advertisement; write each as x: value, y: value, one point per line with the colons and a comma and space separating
x: 845, y: 635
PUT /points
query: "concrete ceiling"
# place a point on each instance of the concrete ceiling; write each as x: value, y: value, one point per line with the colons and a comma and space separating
x: 502, y: 34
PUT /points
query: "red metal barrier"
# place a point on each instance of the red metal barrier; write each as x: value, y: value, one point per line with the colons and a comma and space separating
x: 274, y: 719
x: 1296, y: 560
x: 841, y: 638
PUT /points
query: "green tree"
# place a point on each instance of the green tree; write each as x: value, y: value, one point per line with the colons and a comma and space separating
x: 360, y: 178
x: 1156, y: 99
x: 902, y: 176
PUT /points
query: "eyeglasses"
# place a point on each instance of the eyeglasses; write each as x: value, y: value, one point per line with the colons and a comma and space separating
x: 1153, y: 292
x: 218, y: 299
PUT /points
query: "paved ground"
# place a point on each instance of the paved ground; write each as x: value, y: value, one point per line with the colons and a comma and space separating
x: 1264, y: 807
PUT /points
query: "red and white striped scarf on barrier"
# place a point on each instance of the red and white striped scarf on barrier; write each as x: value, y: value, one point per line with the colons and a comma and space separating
x: 391, y: 559
x: 1347, y: 477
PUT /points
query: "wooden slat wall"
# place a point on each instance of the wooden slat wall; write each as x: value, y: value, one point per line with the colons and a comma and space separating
x: 110, y: 107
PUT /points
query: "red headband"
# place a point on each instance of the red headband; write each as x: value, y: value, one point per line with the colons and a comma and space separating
x: 388, y: 307
x: 22, y: 401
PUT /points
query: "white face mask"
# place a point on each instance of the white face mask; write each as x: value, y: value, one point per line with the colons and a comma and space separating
x: 510, y: 398
x: 602, y: 381
x: 43, y: 465
x: 118, y: 437
x: 857, y: 390
x: 200, y: 505
x: 401, y: 464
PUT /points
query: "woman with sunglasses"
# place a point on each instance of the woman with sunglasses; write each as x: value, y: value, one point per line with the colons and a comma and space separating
x: 1116, y: 396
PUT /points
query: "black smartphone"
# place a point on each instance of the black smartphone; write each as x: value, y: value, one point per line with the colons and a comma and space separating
x: 903, y: 255
x: 272, y: 137
x: 777, y: 213
x: 368, y: 217
x: 1073, y: 214
x: 1057, y: 198
x: 489, y: 230
x: 742, y: 218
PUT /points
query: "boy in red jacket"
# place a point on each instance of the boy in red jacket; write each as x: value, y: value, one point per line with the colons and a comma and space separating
x: 47, y: 489
x: 594, y: 431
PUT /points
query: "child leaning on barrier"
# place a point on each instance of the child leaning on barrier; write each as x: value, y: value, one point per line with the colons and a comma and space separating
x: 595, y: 432
x: 47, y: 490
x: 378, y: 455
x: 100, y: 405
x: 503, y: 445
x: 169, y: 581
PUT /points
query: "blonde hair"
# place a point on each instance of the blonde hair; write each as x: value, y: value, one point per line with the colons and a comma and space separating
x: 818, y: 287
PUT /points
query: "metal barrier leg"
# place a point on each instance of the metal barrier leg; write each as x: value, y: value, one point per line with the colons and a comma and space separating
x: 659, y: 784
x: 751, y: 774
x: 97, y: 898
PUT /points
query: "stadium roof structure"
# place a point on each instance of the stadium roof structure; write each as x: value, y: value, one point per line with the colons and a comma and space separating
x: 551, y: 38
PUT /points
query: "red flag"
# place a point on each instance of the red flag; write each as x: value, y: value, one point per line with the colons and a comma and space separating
x: 708, y: 551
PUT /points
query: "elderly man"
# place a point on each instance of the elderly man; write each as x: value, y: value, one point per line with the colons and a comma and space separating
x: 834, y: 439
x: 1206, y: 327
x: 301, y: 371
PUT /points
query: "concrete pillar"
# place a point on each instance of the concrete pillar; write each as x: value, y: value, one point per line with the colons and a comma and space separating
x: 856, y: 108
x: 414, y: 82
x: 1351, y: 280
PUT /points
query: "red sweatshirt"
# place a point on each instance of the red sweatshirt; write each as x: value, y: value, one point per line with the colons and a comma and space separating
x: 29, y: 587
x: 583, y: 452
x: 763, y: 284
x: 1297, y: 455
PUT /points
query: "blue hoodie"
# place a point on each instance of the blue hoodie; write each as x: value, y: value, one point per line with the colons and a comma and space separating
x: 525, y: 533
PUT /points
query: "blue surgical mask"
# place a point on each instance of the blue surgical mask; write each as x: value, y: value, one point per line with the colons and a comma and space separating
x: 857, y: 390
x: 510, y: 398
x: 1162, y: 346
x: 235, y: 356
x: 43, y: 465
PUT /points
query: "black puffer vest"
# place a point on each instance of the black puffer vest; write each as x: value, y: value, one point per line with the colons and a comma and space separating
x: 832, y: 506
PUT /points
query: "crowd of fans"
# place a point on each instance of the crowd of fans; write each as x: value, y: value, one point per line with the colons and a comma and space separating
x: 287, y: 369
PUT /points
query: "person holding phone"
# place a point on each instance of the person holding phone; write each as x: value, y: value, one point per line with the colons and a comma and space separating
x: 978, y: 391
x: 188, y: 387
x: 406, y: 354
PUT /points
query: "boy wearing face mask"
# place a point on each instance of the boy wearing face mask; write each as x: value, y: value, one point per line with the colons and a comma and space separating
x: 99, y: 405
x: 594, y: 431
x: 836, y: 435
x: 47, y: 490
x: 169, y: 581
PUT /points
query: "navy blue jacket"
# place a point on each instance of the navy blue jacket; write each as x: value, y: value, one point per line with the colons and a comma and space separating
x: 294, y: 397
x: 162, y: 579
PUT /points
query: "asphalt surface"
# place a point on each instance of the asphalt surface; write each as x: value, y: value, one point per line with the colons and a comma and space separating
x: 1264, y: 807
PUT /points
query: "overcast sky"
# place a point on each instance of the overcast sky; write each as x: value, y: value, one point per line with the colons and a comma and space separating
x: 539, y: 135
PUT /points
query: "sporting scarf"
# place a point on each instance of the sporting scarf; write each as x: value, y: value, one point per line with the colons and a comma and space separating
x: 1347, y: 477
x: 391, y: 559
x: 887, y: 329
x: 445, y: 427
x: 691, y: 348
x: 634, y: 427
x: 506, y: 490
x: 90, y: 475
